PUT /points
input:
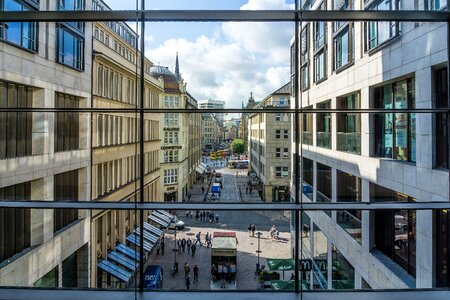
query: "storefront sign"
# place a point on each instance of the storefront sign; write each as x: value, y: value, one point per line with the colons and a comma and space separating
x: 170, y: 147
x: 307, y: 264
x: 171, y: 188
x: 171, y: 129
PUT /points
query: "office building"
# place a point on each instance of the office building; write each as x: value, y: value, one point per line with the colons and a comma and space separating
x: 377, y: 157
x: 45, y: 155
x: 115, y: 137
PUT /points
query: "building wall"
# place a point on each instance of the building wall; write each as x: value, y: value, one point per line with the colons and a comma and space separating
x: 398, y: 59
x: 44, y: 77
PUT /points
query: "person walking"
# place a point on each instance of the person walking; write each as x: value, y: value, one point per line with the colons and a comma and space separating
x: 189, y: 244
x: 183, y: 244
x: 203, y: 189
x: 249, y: 228
x: 197, y: 216
x: 206, y: 239
x: 188, y: 281
x: 193, y: 248
x: 246, y: 189
x: 196, y: 270
x: 199, y: 234
x: 217, y: 218
x: 253, y: 230
x: 187, y: 269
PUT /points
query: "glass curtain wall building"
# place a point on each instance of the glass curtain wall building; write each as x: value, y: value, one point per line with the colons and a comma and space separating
x: 92, y: 163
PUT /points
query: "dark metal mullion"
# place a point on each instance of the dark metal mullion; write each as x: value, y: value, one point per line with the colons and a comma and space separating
x: 296, y: 139
x: 448, y: 98
x: 227, y: 15
x: 141, y: 150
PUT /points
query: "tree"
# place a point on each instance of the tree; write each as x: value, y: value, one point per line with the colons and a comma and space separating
x: 238, y: 146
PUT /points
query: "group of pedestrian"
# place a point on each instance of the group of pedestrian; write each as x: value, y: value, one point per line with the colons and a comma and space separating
x: 205, y: 216
x: 208, y: 240
x: 187, y: 244
x: 224, y: 274
x: 251, y: 230
x: 274, y: 233
x: 187, y: 274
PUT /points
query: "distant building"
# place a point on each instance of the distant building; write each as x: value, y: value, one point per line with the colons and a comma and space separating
x: 270, y: 146
x: 176, y: 159
x: 243, y: 126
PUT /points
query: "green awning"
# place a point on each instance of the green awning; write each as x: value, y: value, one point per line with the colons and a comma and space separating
x: 276, y: 264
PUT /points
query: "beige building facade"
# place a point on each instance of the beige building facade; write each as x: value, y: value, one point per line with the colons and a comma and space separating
x: 116, y: 136
x: 269, y: 145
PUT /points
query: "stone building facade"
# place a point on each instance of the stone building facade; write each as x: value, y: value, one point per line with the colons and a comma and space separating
x: 269, y: 146
x: 45, y: 155
x: 352, y: 157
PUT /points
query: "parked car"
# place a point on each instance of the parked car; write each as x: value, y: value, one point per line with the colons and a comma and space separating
x: 153, y: 277
x: 176, y: 224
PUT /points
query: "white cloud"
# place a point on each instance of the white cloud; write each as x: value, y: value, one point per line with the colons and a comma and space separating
x: 237, y: 59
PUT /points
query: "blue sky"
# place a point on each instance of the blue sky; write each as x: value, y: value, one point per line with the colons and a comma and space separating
x: 223, y: 61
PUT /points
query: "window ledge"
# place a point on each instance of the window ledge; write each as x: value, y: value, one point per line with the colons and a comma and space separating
x: 384, y: 44
x: 19, y: 46
x: 345, y: 67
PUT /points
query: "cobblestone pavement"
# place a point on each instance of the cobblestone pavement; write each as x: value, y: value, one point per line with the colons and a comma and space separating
x: 246, y: 258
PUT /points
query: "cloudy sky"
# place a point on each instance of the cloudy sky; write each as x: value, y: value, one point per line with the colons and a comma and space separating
x: 222, y: 61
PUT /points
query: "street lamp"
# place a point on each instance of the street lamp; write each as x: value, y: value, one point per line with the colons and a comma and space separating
x: 175, y: 250
x: 258, y: 234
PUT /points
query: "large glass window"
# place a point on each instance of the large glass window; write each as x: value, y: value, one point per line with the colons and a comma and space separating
x: 395, y: 133
x: 308, y: 127
x: 320, y: 45
x: 15, y: 223
x: 380, y: 32
x: 349, y: 125
x: 395, y: 230
x: 349, y: 190
x: 71, y: 37
x: 323, y: 126
x: 441, y: 143
x: 66, y: 123
x: 66, y: 189
x: 15, y: 127
x: 23, y: 34
x: 304, y: 72
x: 438, y: 4
x: 442, y: 221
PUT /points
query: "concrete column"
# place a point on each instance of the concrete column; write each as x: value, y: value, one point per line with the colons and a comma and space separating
x: 83, y: 266
x: 330, y: 265
x: 314, y: 127
x: 366, y: 131
x: 314, y: 181
x: 333, y: 125
x: 368, y: 218
x: 358, y: 280
x: 424, y: 249
x: 40, y: 127
x: 334, y: 197
x: 424, y: 124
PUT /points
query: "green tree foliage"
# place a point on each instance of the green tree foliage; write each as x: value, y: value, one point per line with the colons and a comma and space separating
x: 238, y: 146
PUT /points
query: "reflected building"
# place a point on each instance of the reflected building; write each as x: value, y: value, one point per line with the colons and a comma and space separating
x: 269, y: 141
x: 376, y: 157
x: 45, y: 155
x: 115, y: 137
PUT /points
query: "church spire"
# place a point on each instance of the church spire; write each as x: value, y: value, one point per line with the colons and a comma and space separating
x: 177, y: 68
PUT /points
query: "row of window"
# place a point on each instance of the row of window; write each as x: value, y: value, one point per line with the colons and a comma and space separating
x: 171, y: 119
x: 170, y: 176
x: 171, y: 102
x: 394, y: 133
x: 118, y: 27
x: 281, y: 134
x: 117, y: 130
x: 16, y: 223
x: 70, y: 35
x: 16, y: 128
x: 170, y: 156
x: 103, y: 37
x: 113, y: 85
